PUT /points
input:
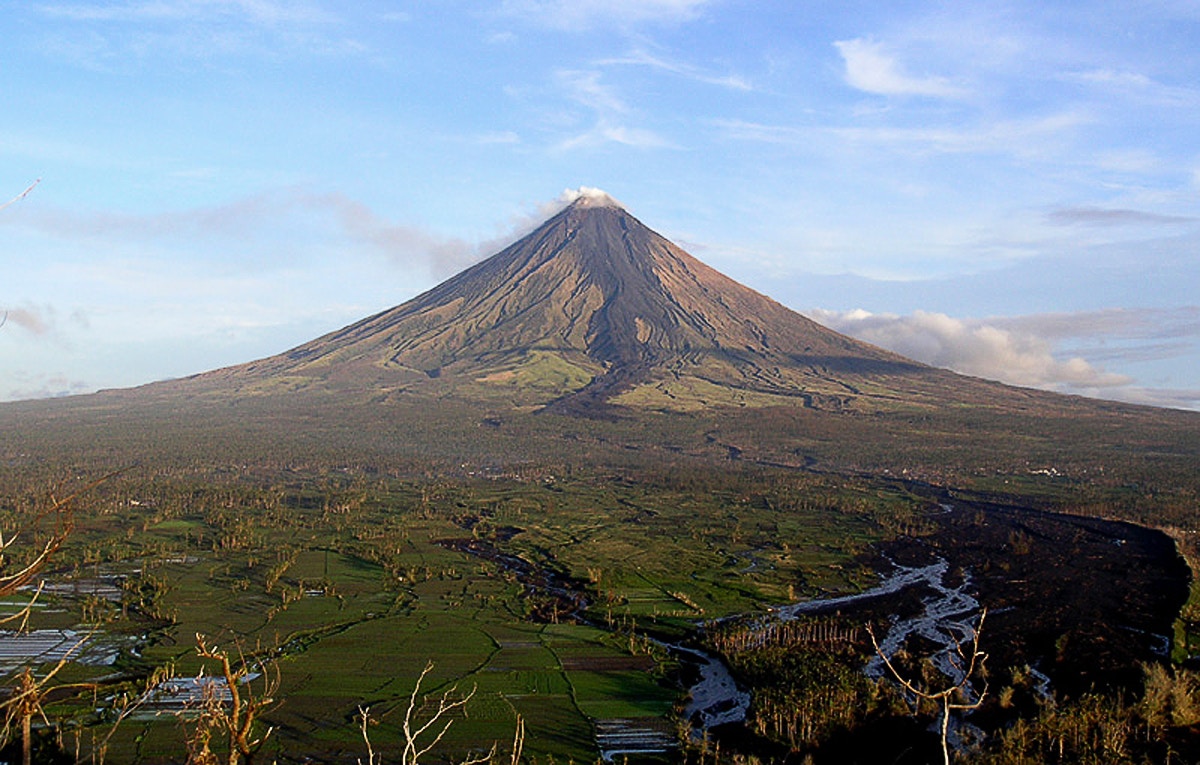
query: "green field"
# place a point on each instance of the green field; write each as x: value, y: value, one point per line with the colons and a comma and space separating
x: 348, y: 589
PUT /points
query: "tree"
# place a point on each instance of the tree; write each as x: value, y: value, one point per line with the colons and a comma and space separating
x: 230, y: 705
x: 953, y: 697
x: 420, y: 737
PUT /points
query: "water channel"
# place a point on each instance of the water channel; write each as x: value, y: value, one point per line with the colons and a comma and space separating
x: 947, y: 620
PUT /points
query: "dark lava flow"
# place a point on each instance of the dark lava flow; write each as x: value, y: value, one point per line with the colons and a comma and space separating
x: 1084, y: 601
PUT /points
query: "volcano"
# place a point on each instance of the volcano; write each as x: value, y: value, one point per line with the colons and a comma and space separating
x: 595, y: 339
x: 594, y: 309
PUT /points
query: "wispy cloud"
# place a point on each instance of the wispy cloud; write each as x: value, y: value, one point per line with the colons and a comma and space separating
x: 1135, y: 86
x: 870, y: 68
x: 1116, y: 334
x: 120, y: 35
x: 689, y: 71
x: 263, y: 215
x: 256, y: 11
x: 28, y: 386
x: 1025, y: 136
x: 585, y: 87
x: 1173, y: 398
x: 603, y: 133
x: 610, y: 114
x: 402, y: 244
x: 586, y: 14
x: 743, y: 130
x: 42, y: 325
x: 1100, y: 216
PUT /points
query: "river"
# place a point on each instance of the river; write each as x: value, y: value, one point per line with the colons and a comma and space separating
x: 946, y: 620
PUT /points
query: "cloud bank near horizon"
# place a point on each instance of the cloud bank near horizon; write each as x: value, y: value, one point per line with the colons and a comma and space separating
x: 1030, y: 351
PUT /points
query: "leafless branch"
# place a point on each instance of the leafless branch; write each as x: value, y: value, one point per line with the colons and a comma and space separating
x: 22, y: 195
x: 968, y: 664
x: 237, y: 718
x: 413, y: 748
x: 364, y: 718
x: 518, y: 741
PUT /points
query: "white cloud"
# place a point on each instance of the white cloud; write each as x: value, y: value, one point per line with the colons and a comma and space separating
x: 593, y: 196
x: 604, y: 133
x: 1137, y: 87
x: 586, y: 88
x: 974, y: 347
x: 1032, y: 350
x: 743, y: 130
x: 24, y: 385
x: 1116, y: 334
x: 1167, y: 397
x: 1135, y: 161
x: 869, y: 68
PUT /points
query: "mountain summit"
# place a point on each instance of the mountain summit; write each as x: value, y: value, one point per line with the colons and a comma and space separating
x: 594, y: 308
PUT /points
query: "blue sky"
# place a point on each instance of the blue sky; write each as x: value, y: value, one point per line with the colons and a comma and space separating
x: 1009, y: 189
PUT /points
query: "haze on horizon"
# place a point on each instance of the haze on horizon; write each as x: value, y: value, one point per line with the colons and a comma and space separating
x: 1008, y: 190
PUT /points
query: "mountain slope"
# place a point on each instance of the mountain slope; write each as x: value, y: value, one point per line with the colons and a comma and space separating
x: 590, y: 306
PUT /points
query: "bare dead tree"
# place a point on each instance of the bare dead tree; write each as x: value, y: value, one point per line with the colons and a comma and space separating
x: 967, y: 663
x: 414, y: 730
x: 234, y: 716
x: 62, y: 511
x: 422, y: 734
